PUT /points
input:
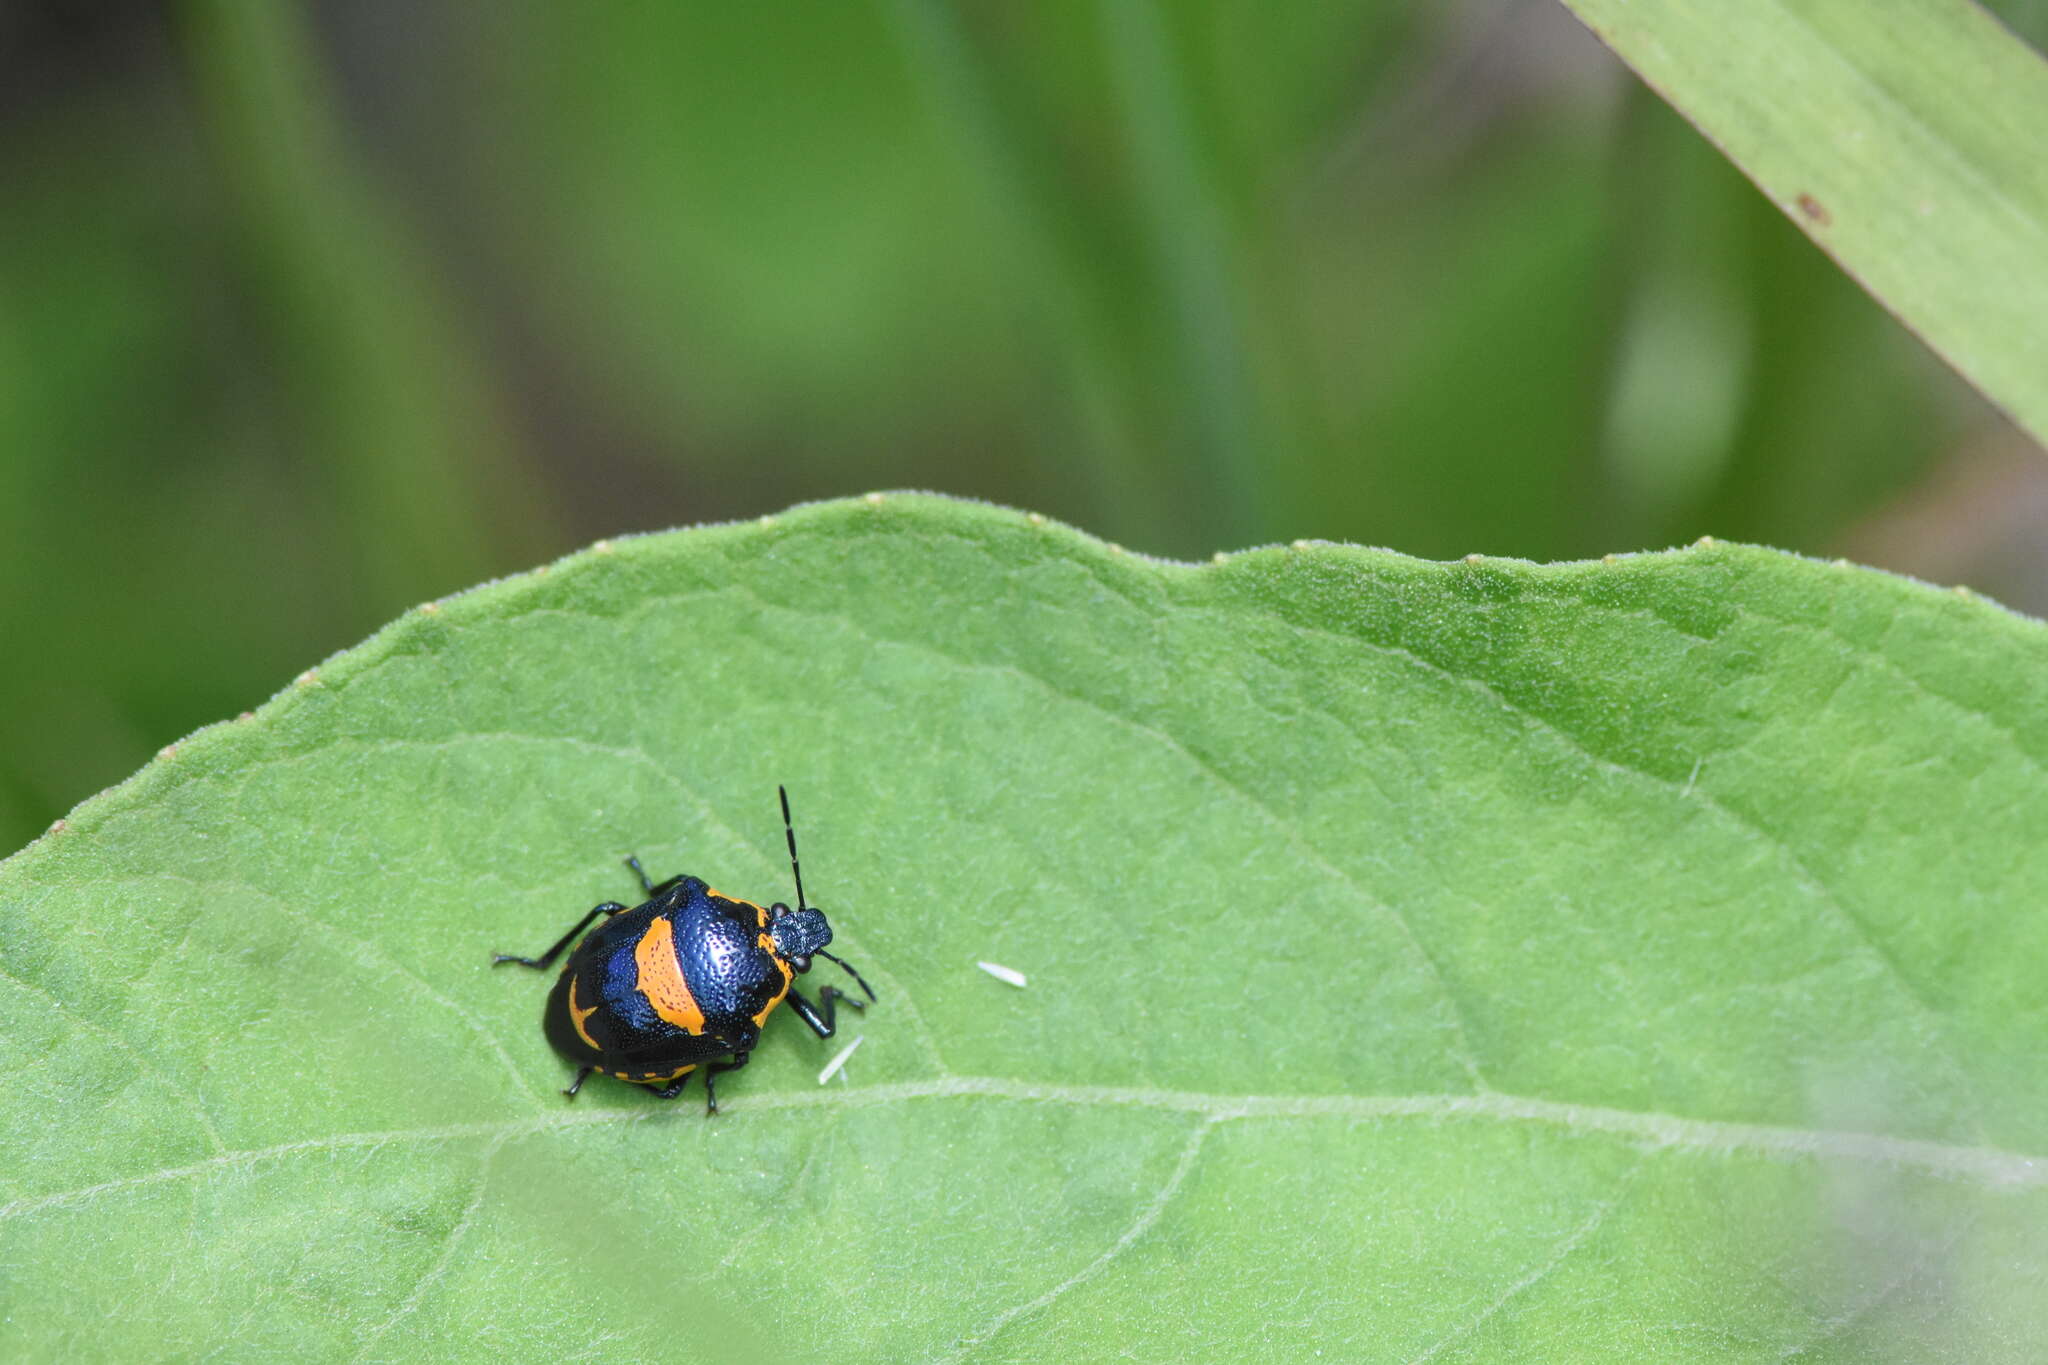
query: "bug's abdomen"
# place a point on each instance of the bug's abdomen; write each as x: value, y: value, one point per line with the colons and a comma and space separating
x: 619, y: 1033
x: 567, y: 1019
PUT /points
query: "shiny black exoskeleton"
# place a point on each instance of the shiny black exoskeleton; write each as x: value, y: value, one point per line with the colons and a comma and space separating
x: 687, y: 977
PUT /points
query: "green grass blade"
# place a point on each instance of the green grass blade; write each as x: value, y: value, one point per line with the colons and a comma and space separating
x: 1606, y: 961
x: 1904, y: 136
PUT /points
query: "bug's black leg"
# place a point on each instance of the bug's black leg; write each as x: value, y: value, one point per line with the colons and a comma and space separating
x: 715, y: 1070
x: 577, y: 1084
x: 608, y: 908
x: 675, y: 1087
x: 822, y: 1019
x: 648, y: 886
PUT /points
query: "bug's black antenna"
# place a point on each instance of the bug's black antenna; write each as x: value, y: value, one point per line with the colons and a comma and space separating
x: 847, y: 967
x: 789, y: 831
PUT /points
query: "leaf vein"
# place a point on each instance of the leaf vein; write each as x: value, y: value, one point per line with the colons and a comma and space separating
x: 73, y: 1014
x: 1461, y: 1046
x: 1858, y: 929
x: 446, y: 1257
x: 1563, y: 1251
x: 1992, y: 1167
x: 368, y: 953
x: 1143, y: 1223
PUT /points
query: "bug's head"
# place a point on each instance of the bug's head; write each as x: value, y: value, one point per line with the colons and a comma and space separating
x: 801, y: 932
x: 798, y: 933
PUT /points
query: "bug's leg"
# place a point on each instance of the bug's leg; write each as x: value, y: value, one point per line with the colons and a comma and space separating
x: 577, y: 1084
x: 715, y: 1070
x: 648, y: 885
x: 821, y: 1017
x: 546, y: 958
x: 675, y: 1087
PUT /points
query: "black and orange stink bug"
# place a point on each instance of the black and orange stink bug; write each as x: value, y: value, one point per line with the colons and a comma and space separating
x: 688, y: 976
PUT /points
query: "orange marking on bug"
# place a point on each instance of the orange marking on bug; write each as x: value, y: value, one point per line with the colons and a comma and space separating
x: 661, y: 977
x: 761, y: 1019
x: 760, y: 913
x: 640, y: 1078
x: 577, y: 1016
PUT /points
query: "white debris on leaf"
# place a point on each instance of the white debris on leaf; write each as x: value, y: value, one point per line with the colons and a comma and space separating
x: 832, y: 1067
x: 1002, y: 973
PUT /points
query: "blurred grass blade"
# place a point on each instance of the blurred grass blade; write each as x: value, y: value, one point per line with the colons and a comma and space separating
x: 395, y: 392
x: 1904, y: 136
x: 1195, y: 252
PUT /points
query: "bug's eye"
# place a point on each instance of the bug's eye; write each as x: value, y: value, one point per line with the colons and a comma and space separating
x: 777, y: 910
x: 801, y: 964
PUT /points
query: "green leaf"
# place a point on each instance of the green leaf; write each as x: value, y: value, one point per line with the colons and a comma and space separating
x: 1904, y: 136
x: 1625, y: 960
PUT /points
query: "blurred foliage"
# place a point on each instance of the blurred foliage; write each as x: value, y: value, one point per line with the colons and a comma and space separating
x: 311, y: 312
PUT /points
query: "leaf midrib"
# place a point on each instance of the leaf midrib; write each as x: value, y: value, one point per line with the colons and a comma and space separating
x: 1992, y: 1167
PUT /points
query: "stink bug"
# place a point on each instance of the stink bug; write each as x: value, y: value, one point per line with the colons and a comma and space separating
x: 688, y: 976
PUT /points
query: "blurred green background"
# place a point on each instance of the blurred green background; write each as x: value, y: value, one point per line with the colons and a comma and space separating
x: 312, y: 311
